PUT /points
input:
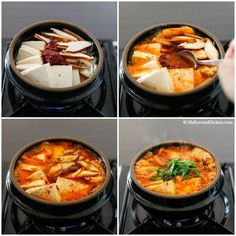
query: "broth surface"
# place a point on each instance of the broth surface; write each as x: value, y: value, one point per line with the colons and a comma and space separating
x: 59, y: 171
x: 176, y: 170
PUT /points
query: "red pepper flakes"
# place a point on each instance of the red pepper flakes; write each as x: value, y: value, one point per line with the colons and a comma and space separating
x: 51, y: 54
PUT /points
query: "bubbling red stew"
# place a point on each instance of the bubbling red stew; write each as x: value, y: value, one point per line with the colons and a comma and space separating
x: 59, y: 171
x: 176, y: 170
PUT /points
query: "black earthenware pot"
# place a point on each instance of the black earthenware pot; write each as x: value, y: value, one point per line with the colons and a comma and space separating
x: 60, y: 213
x: 170, y: 206
x: 169, y: 102
x: 53, y: 97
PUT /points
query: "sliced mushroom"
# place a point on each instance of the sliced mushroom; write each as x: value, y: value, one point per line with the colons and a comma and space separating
x: 76, y: 55
x: 75, y: 46
x: 64, y: 34
x: 42, y: 38
x: 85, y: 173
x: 74, y: 34
x: 53, y: 35
x: 88, y: 166
x: 67, y: 158
x: 59, y: 168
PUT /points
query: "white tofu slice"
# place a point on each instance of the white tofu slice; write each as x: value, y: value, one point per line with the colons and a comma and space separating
x: 40, y: 75
x: 66, y: 186
x: 146, y: 68
x: 165, y: 188
x: 77, y: 46
x: 75, y: 77
x: 151, y: 65
x: 48, y: 192
x: 144, y: 55
x: 27, y: 51
x: 31, y: 60
x: 62, y: 76
x: 22, y: 67
x: 38, y: 175
x: 40, y: 45
x: 183, y: 79
x: 28, y: 167
x: 42, y: 157
x: 211, y: 51
x: 64, y: 34
x: 34, y: 183
x: 195, y: 46
x: 200, y: 54
x: 154, y: 48
x: 158, y: 79
x: 87, y: 72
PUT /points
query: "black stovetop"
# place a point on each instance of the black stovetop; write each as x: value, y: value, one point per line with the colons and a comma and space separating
x: 14, y: 221
x: 220, y: 107
x: 134, y: 219
x: 102, y: 103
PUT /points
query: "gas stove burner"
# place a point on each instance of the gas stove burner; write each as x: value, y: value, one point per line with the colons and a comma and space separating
x: 103, y: 221
x: 217, y: 218
x: 198, y: 220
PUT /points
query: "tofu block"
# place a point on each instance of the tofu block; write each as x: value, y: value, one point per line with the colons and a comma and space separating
x: 151, y: 65
x: 165, y: 187
x: 67, y: 188
x: 183, y: 79
x: 86, y: 72
x: 29, y: 167
x: 31, y: 60
x: 211, y: 50
x: 144, y: 55
x: 34, y: 183
x: 62, y: 76
x: 40, y: 75
x: 158, y: 79
x: 22, y: 67
x: 200, y: 54
x: 75, y: 77
x: 38, y: 175
x: 40, y: 45
x: 27, y: 51
x: 48, y: 192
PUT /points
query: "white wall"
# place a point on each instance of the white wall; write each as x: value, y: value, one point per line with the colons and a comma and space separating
x: 136, y: 135
x: 217, y: 17
x: 17, y: 133
x: 98, y: 17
